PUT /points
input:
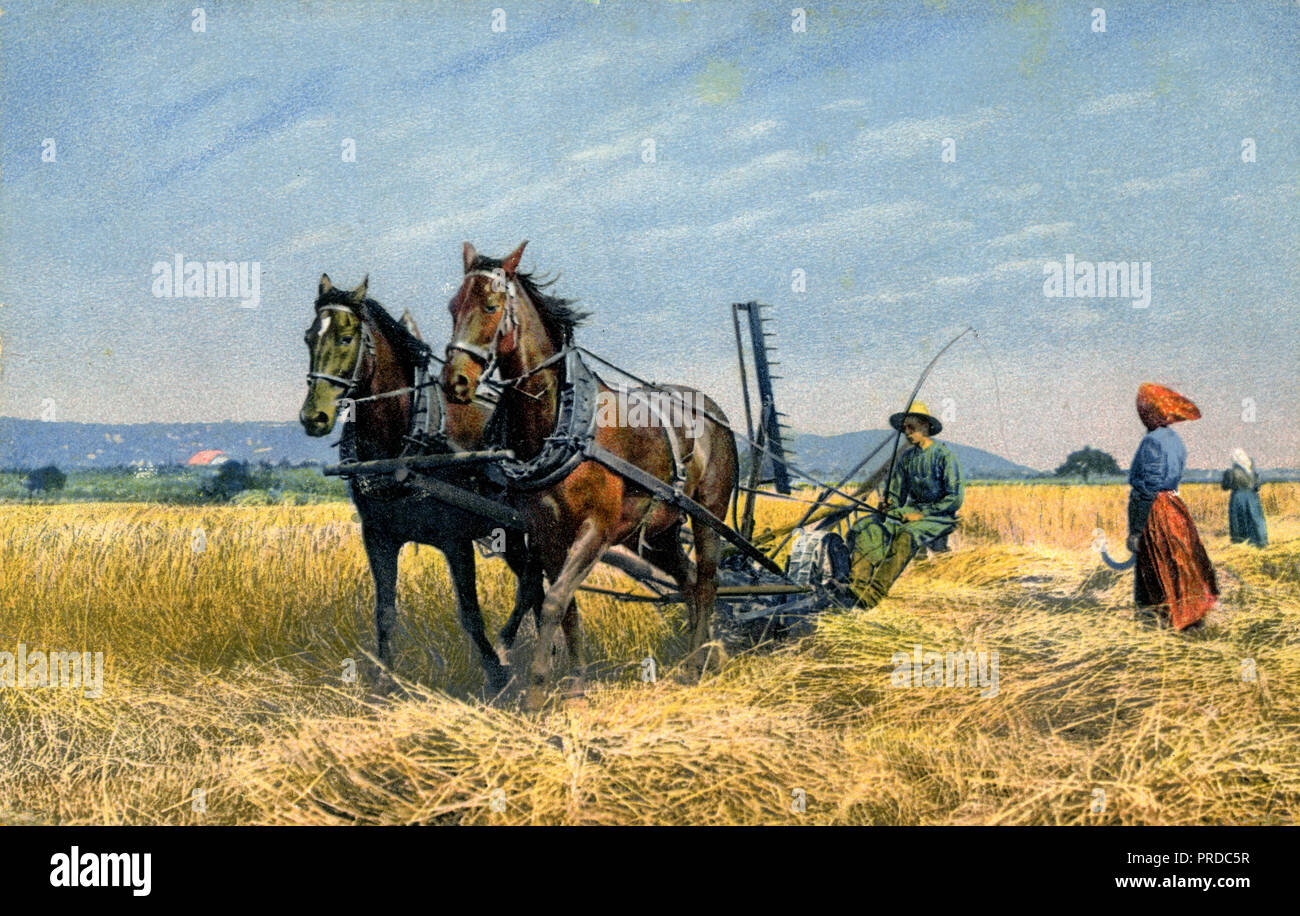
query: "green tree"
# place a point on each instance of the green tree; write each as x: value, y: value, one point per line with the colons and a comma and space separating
x: 1088, y: 461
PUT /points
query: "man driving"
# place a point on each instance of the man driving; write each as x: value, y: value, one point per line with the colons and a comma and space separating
x: 919, y: 510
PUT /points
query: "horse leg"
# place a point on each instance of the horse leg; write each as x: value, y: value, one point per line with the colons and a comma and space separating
x: 665, y: 551
x: 574, y: 643
x: 582, y: 556
x: 382, y: 552
x: 708, y: 547
x: 573, y: 639
x: 529, y: 590
x: 460, y: 560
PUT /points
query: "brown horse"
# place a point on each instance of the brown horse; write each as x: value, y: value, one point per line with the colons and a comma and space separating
x: 576, y: 509
x: 358, y: 351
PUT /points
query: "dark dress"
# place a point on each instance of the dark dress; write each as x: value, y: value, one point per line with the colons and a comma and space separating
x: 1245, y: 513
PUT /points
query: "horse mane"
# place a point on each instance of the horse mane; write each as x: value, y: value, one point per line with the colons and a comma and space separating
x: 558, y: 314
x: 415, y: 349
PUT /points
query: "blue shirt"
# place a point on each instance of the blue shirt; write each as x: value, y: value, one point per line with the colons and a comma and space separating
x: 1157, y: 465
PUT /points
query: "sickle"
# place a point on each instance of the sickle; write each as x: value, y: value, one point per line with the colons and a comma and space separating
x: 1116, y: 564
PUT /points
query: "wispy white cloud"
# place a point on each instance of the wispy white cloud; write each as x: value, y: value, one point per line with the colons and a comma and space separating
x: 1034, y: 233
x: 1176, y: 181
x: 1007, y: 270
x: 844, y: 105
x: 602, y: 152
x: 1015, y: 195
x: 1236, y: 93
x: 887, y: 296
x: 479, y: 219
x: 612, y: 138
x: 753, y: 131
x: 1117, y: 102
x: 915, y: 136
x: 862, y: 223
x: 316, y: 238
x: 295, y: 184
x: 737, y: 226
x: 759, y: 167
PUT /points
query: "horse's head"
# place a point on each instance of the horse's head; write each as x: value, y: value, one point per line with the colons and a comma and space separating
x: 336, y: 341
x: 501, y: 318
x: 485, y: 321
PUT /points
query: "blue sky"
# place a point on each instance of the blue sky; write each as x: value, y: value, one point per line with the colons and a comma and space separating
x: 775, y: 151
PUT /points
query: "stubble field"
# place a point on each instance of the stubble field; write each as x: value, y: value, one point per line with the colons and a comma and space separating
x: 229, y: 634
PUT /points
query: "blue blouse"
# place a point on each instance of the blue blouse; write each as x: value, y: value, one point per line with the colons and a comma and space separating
x: 1157, y: 465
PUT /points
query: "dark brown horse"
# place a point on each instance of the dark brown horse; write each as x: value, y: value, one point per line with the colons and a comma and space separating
x: 359, y: 352
x: 504, y: 319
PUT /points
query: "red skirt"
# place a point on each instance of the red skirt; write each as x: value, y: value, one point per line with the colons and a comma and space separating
x: 1173, y: 571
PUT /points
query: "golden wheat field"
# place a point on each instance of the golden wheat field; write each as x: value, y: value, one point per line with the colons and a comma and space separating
x: 226, y: 633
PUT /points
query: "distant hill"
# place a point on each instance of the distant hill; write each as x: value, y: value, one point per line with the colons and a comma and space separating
x: 33, y: 443
x: 833, y: 456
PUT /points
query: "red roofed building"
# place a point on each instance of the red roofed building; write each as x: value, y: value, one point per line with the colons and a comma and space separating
x: 210, y: 456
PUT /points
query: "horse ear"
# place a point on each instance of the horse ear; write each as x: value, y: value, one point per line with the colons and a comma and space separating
x: 359, y: 294
x: 408, y: 321
x: 469, y: 255
x: 511, y: 263
x: 325, y: 285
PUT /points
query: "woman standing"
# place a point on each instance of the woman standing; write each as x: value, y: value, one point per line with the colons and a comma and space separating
x: 1245, y: 514
x: 1173, y: 575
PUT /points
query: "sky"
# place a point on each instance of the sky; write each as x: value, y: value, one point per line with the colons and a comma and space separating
x: 668, y: 159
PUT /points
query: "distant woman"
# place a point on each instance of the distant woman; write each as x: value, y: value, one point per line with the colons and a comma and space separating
x: 1245, y: 514
x: 1173, y: 575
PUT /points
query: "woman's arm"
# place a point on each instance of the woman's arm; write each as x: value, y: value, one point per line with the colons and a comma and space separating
x: 1144, y: 476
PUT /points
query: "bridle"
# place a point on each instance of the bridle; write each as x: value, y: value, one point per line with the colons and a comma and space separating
x: 488, y: 357
x: 367, y: 348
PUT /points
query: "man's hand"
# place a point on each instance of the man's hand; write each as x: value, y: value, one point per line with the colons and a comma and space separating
x: 1134, y: 542
x: 912, y: 516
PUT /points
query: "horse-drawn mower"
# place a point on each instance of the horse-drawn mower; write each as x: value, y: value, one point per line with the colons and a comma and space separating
x: 508, y: 440
x: 758, y: 598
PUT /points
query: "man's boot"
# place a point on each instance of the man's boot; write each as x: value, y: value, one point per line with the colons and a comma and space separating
x: 871, y: 584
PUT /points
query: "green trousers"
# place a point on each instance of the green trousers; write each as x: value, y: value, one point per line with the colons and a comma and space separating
x: 874, y: 571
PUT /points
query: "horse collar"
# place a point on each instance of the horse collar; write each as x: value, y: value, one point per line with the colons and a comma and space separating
x: 564, y: 448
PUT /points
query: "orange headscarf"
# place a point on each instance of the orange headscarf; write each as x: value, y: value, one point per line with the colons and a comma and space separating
x: 1160, y: 406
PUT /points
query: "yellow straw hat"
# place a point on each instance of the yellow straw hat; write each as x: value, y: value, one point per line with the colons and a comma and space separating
x: 918, y: 409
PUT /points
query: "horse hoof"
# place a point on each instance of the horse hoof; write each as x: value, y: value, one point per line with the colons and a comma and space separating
x: 496, y: 684
x: 384, y: 686
x: 535, y: 699
x: 574, y: 694
x: 688, y: 675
